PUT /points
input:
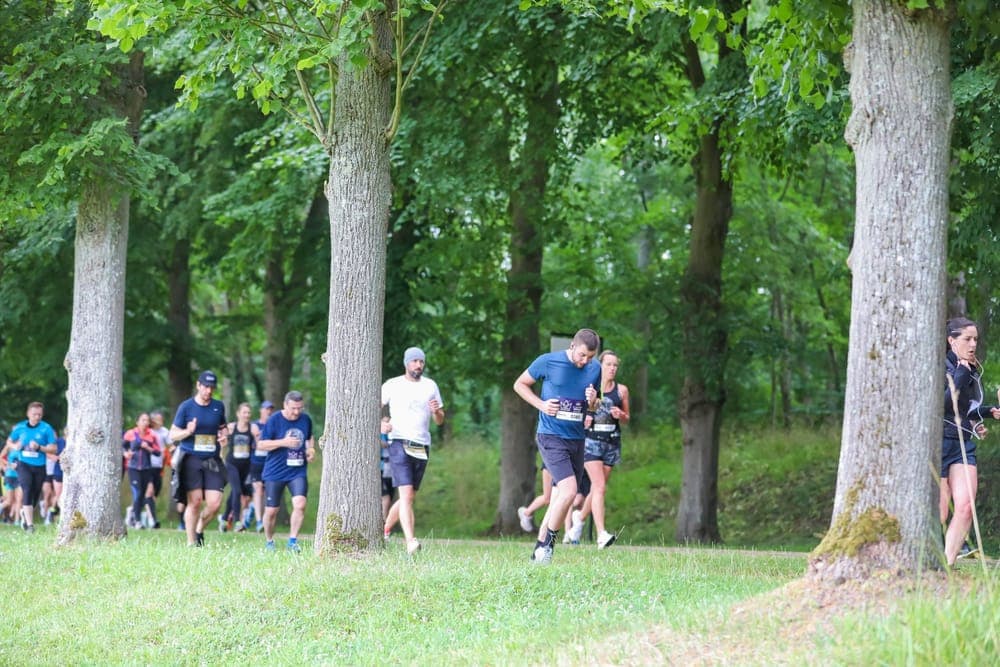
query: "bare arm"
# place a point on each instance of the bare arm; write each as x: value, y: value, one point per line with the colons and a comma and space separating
x: 624, y: 414
x: 523, y: 388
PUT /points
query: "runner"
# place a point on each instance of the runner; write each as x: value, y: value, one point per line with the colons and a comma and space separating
x: 242, y: 436
x: 257, y: 459
x: 200, y: 428
x: 568, y: 392
x: 143, y: 444
x: 287, y: 438
x: 34, y: 439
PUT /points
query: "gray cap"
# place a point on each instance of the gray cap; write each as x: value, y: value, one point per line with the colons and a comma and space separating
x: 411, y: 354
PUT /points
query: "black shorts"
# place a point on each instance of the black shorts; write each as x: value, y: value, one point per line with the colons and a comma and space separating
x: 31, y: 478
x: 273, y: 490
x: 256, y: 471
x: 951, y: 453
x: 203, y: 474
x: 387, y: 486
x: 562, y: 457
x: 157, y: 481
x: 406, y: 470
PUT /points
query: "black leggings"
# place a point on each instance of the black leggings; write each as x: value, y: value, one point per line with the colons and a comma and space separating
x: 140, y: 480
x: 31, y: 479
x: 237, y: 472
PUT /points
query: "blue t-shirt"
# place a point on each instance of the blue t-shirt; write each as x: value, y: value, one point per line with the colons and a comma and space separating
x: 284, y: 464
x: 563, y: 380
x: 60, y: 448
x: 12, y: 456
x: 41, y: 433
x: 203, y: 443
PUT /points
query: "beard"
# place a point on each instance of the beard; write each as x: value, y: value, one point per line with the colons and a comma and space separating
x: 415, y: 374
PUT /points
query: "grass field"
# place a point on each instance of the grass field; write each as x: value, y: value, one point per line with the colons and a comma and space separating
x: 150, y: 600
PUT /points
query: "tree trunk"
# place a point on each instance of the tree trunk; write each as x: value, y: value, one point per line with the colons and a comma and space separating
x: 179, y: 320
x: 278, y: 355
x: 640, y: 371
x: 359, y: 194
x: 884, y: 514
x: 704, y: 338
x: 524, y: 281
x: 92, y: 459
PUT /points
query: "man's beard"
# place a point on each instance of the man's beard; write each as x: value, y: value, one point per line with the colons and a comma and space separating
x: 416, y: 373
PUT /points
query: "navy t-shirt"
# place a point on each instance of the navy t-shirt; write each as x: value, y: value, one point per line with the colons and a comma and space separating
x: 203, y: 443
x: 284, y: 464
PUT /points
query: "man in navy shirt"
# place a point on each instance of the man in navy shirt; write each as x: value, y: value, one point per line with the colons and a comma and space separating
x: 200, y: 428
x: 568, y: 393
x: 288, y: 440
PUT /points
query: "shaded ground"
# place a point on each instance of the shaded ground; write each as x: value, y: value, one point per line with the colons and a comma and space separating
x: 777, y: 628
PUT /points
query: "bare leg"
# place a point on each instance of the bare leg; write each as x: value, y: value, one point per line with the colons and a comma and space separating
x: 964, y: 482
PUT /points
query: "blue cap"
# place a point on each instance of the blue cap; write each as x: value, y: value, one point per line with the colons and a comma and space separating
x: 411, y: 354
x: 267, y: 404
x: 207, y: 379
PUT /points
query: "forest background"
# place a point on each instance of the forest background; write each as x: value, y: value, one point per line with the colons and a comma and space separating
x: 228, y: 255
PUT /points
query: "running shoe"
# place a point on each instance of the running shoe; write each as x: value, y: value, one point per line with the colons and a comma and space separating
x: 260, y: 526
x: 30, y: 527
x: 199, y: 539
x: 294, y: 547
x: 526, y: 523
x: 968, y: 551
x: 222, y: 525
x: 269, y: 546
x: 542, y: 555
x: 575, y: 531
x: 605, y: 539
x: 412, y: 547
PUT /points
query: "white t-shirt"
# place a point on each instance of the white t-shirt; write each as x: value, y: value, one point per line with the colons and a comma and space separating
x: 409, y: 411
x: 164, y: 435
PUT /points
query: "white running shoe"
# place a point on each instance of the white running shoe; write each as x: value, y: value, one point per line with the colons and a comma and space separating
x: 605, y: 539
x: 526, y: 523
x: 542, y: 555
x: 412, y: 547
x: 575, y: 531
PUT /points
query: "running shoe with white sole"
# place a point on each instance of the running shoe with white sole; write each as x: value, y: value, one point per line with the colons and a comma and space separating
x: 526, y: 523
x: 575, y: 531
x: 412, y: 547
x: 542, y: 555
x: 605, y: 539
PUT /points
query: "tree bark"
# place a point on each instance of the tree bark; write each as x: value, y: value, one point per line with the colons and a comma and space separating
x: 359, y: 195
x: 92, y: 459
x: 705, y: 334
x: 885, y: 505
x: 524, y: 280
x: 179, y: 320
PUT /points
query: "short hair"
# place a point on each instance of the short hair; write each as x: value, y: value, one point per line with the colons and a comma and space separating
x: 294, y: 396
x: 36, y: 404
x: 588, y: 338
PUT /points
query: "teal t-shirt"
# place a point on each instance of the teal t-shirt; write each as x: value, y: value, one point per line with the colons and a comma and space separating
x: 12, y: 457
x: 41, y: 433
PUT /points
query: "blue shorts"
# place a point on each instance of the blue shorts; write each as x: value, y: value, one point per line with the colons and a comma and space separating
x: 11, y: 483
x: 273, y: 490
x: 607, y: 451
x: 406, y: 470
x: 562, y: 457
x: 256, y: 471
x: 951, y: 453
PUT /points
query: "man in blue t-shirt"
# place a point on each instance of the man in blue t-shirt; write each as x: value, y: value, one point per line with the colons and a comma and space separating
x: 568, y: 393
x: 33, y: 439
x: 200, y: 428
x: 288, y: 440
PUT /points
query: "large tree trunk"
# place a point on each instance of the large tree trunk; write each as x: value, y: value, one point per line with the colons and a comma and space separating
x: 278, y: 354
x: 92, y: 459
x: 704, y: 338
x: 524, y: 281
x: 640, y: 371
x: 883, y: 515
x: 359, y: 193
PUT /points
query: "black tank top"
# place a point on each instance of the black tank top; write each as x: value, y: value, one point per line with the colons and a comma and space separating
x: 605, y: 427
x: 241, y: 444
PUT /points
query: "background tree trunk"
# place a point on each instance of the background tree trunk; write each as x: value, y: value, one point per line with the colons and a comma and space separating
x: 92, y: 459
x: 179, y: 319
x: 883, y: 515
x: 705, y: 333
x: 359, y: 194
x: 524, y: 281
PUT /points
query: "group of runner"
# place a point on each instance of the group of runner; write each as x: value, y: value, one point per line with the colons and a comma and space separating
x: 31, y: 472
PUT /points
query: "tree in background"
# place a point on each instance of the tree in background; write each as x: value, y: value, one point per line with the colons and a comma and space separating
x: 71, y: 111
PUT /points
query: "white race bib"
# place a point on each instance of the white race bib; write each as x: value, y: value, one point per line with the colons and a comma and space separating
x: 415, y: 450
x: 296, y: 458
x: 241, y: 451
x: 25, y: 454
x: 603, y: 428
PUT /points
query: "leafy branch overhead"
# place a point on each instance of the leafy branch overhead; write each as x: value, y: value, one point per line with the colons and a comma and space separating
x: 284, y: 54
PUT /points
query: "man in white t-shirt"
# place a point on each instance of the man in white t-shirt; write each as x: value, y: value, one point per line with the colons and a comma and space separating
x: 412, y: 401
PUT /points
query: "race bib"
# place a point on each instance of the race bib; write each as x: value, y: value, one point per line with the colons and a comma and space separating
x: 296, y: 458
x: 156, y: 460
x: 415, y: 450
x: 241, y: 451
x: 204, y: 443
x: 25, y: 454
x: 571, y: 409
x: 603, y: 428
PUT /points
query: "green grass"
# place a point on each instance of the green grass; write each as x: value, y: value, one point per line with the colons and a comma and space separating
x: 149, y: 599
